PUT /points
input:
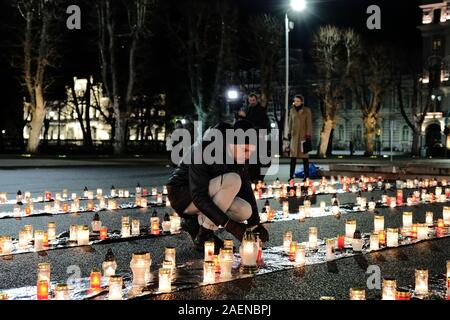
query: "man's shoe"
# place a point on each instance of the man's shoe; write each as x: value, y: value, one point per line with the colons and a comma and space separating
x: 203, y: 236
x: 190, y: 225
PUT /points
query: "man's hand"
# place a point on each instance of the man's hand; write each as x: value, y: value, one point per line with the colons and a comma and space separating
x: 263, y: 233
x: 242, y: 113
x: 236, y: 229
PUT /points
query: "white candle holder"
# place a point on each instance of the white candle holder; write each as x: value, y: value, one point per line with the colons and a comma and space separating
x: 115, y: 288
x: 357, y: 294
x: 389, y: 289
x: 287, y: 239
x: 165, y: 281
x: 83, y: 235
x: 62, y: 292
x: 421, y: 287
x: 51, y: 230
x: 140, y: 266
x: 350, y: 228
x: 374, y: 241
x: 209, y: 273
x: 313, y: 234
x: 378, y: 223
x: 392, y: 237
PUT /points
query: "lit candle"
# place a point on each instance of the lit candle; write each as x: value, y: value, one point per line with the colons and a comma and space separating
x: 103, y: 233
x: 446, y: 215
x: 90, y: 206
x: 166, y: 224
x: 382, y: 235
x: 112, y: 192
x: 422, y: 232
x: 208, y: 272
x: 6, y: 245
x: 357, y: 294
x: 323, y: 205
x: 392, y: 237
x: 51, y: 230
x: 29, y: 229
x: 109, y: 265
x: 140, y: 267
x: 42, y: 290
x: 448, y: 269
x: 23, y: 239
x: 96, y: 223
x: 159, y: 198
x: 165, y: 280
x: 135, y: 227
x: 95, y: 279
x: 43, y: 272
x: 287, y: 239
x: 83, y: 235
x: 249, y: 253
x: 62, y: 292
x: 350, y: 228
x: 402, y: 295
x: 363, y: 203
x: 75, y: 205
x: 125, y: 232
x: 340, y: 242
x: 292, y: 250
x: 421, y: 282
x: 330, y: 249
x: 312, y: 238
x: 357, y: 241
x: 115, y: 288
x: 407, y: 220
x: 112, y: 204
x: 389, y: 289
x: 372, y: 204
x: 300, y: 257
x: 285, y: 208
x: 374, y: 241
x: 39, y: 240
x: 175, y: 223
x: 378, y: 223
x: 170, y: 255
x: 429, y: 218
x: 301, y: 213
x: 48, y: 196
x: 399, y: 199
x: 154, y: 223
x: 209, y: 250
x: 225, y: 262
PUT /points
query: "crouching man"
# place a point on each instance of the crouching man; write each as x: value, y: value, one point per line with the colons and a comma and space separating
x: 214, y: 194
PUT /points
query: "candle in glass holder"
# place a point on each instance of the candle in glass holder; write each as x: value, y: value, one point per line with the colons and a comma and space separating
x: 23, y: 239
x: 103, y: 233
x: 446, y: 215
x: 43, y: 272
x: 90, y: 205
x: 421, y: 287
x: 372, y: 204
x: 154, y: 223
x: 350, y: 228
x: 392, y: 237
x: 62, y: 292
x: 422, y: 231
x: 39, y: 240
x: 378, y: 223
x: 312, y: 238
x: 225, y: 262
x: 83, y: 235
x: 109, y: 265
x: 209, y: 272
x: 249, y: 253
x: 73, y: 233
x: 389, y: 289
x: 363, y: 203
x: 175, y: 223
x: 96, y: 223
x: 112, y: 204
x: 125, y: 232
x: 140, y: 266
x: 51, y: 230
x: 6, y: 245
x: 285, y: 208
x: 135, y: 227
x: 42, y: 290
x: 357, y: 294
x: 209, y: 250
x: 429, y: 218
x: 301, y: 213
x: 143, y: 203
x: 448, y: 269
x: 166, y: 224
x: 228, y: 244
x: 292, y: 250
x: 374, y: 241
x: 115, y: 288
x: 399, y: 199
x: 402, y: 295
x: 407, y: 220
x: 330, y: 249
x: 95, y: 279
x: 170, y: 255
x: 165, y: 281
x: 323, y: 205
x: 75, y: 205
x: 300, y: 257
x: 287, y: 239
x: 112, y: 192
x: 29, y: 229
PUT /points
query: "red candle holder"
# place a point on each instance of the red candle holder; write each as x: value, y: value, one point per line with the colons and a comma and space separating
x: 103, y: 233
x: 341, y: 242
x: 42, y: 290
x: 399, y: 197
x: 96, y: 280
x: 48, y: 196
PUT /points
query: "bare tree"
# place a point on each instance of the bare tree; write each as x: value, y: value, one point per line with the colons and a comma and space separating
x: 38, y: 54
x: 120, y: 88
x: 371, y: 77
x: 334, y: 52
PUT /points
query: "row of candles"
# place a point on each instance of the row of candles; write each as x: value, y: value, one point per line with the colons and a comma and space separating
x: 389, y: 289
x: 87, y: 194
x: 80, y: 233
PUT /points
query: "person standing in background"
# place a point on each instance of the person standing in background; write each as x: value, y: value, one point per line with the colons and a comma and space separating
x: 300, y: 130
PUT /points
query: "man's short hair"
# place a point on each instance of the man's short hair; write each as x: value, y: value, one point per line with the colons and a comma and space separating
x: 253, y: 95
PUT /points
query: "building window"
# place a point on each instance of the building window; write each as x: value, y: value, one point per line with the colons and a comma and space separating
x: 437, y: 44
x: 405, y: 133
x: 341, y: 133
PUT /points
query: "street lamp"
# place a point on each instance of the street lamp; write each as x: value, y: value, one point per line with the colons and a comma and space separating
x: 232, y: 96
x: 297, y: 6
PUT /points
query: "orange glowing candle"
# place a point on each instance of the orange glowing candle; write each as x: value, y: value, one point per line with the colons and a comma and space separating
x: 45, y: 241
x: 42, y: 290
x: 271, y: 215
x: 96, y: 279
x: 48, y: 195
x: 382, y: 235
x: 103, y: 233
x: 292, y: 251
x: 65, y: 208
x: 155, y: 227
x: 414, y: 231
x: 216, y: 263
x: 90, y: 206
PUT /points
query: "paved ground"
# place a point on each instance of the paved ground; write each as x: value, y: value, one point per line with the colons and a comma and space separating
x: 312, y: 282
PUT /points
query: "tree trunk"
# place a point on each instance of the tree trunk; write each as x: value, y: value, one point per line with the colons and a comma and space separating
x: 37, y: 122
x: 370, y: 122
x: 325, y: 134
x: 415, y: 143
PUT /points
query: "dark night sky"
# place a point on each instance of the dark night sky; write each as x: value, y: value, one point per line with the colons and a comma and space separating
x: 400, y: 19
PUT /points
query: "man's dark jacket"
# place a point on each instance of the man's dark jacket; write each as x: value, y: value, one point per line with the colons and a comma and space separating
x: 190, y: 183
x: 257, y: 115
